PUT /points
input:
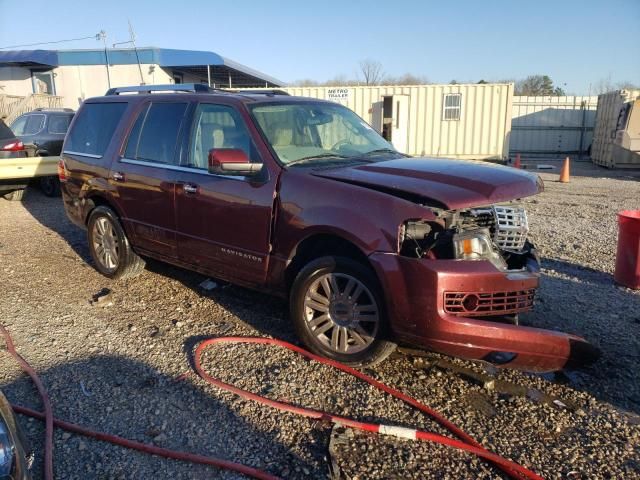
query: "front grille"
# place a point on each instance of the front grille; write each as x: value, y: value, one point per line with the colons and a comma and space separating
x: 511, y: 227
x: 508, y: 225
x: 495, y: 303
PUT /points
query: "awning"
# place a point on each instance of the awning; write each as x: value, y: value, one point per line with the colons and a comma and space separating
x: 192, y: 61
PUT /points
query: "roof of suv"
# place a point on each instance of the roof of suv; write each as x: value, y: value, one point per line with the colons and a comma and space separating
x: 197, y: 91
x: 53, y: 110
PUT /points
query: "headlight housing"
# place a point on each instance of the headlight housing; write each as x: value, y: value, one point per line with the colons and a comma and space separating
x: 477, y: 245
x: 7, y: 452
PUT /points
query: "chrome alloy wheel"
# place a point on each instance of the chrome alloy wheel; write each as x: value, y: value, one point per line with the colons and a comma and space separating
x: 105, y: 243
x: 341, y: 313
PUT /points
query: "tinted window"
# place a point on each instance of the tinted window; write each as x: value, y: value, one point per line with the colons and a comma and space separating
x: 32, y: 124
x: 94, y: 128
x: 18, y: 125
x: 58, y: 123
x: 217, y: 126
x: 155, y: 134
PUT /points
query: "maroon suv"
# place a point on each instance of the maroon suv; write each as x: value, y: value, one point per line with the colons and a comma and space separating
x: 303, y: 199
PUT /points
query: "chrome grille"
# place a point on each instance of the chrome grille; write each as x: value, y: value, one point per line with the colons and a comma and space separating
x: 511, y: 227
x: 493, y: 303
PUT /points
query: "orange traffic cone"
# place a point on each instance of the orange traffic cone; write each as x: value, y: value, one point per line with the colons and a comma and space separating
x: 517, y: 163
x: 564, y: 173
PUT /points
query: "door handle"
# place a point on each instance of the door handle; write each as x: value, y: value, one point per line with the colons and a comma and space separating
x: 190, y: 188
x: 118, y: 177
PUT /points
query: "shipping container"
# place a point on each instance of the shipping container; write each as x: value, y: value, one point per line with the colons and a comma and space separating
x: 550, y: 126
x: 604, y: 151
x: 467, y: 121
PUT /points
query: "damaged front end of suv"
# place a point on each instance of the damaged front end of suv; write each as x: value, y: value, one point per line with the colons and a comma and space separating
x: 485, y: 272
x: 496, y: 234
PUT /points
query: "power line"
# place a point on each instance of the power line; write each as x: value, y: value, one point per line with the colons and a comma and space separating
x: 95, y: 37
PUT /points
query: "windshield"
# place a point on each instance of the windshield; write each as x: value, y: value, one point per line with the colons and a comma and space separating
x: 314, y: 133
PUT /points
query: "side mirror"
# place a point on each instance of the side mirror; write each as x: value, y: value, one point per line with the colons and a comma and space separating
x: 232, y: 161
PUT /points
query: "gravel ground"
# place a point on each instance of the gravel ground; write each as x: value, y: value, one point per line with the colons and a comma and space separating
x: 112, y: 365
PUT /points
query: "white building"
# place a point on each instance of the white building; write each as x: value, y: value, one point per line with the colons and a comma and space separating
x: 78, y: 74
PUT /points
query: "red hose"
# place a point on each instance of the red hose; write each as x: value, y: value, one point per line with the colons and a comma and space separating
x: 48, y: 411
x: 467, y: 444
x: 143, y: 447
x: 105, y: 437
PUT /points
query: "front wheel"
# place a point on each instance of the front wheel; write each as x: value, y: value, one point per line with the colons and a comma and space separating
x: 110, y: 247
x: 337, y: 310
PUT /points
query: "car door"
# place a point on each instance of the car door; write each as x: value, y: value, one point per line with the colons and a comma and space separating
x: 145, y: 176
x: 223, y: 222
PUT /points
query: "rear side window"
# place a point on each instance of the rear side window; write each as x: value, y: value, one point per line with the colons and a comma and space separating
x: 28, y: 124
x: 58, y: 123
x: 93, y: 129
x: 18, y: 125
x: 155, y: 134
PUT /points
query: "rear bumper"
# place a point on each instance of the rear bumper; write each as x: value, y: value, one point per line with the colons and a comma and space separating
x: 418, y: 300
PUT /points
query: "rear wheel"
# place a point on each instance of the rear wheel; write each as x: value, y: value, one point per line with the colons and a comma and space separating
x: 337, y: 309
x: 50, y: 186
x: 15, y: 196
x: 110, y: 248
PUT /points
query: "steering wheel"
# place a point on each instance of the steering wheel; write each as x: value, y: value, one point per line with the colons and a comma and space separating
x: 339, y: 143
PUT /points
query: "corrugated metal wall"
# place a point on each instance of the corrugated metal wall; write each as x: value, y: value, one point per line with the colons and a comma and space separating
x: 551, y: 126
x: 481, y: 132
x: 609, y: 105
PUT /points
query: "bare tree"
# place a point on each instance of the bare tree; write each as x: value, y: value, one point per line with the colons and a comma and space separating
x: 605, y: 85
x: 371, y: 71
x: 305, y: 82
x: 406, y: 79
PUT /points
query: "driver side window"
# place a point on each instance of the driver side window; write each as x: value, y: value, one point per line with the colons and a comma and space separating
x: 217, y: 127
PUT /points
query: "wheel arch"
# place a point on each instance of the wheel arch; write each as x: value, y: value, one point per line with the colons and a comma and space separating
x: 321, y: 244
x: 94, y: 200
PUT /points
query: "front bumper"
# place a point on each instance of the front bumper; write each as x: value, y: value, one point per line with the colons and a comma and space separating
x: 418, y: 301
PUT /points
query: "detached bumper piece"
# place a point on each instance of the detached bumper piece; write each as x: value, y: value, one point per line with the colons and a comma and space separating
x: 475, y: 304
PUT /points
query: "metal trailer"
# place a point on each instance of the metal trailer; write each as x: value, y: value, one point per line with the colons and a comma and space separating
x: 467, y: 121
x: 552, y: 126
x: 610, y: 115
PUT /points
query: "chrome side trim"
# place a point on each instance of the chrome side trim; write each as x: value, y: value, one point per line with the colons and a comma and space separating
x: 178, y: 168
x: 90, y: 155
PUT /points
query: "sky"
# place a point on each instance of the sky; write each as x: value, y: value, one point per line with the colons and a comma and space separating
x: 576, y: 43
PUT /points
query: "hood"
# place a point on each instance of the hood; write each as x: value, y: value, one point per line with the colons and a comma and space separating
x: 450, y: 184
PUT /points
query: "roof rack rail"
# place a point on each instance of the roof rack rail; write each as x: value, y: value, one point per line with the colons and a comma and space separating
x: 180, y: 87
x: 262, y: 92
x: 53, y: 109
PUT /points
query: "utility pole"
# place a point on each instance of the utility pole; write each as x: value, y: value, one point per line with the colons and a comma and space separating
x: 133, y: 42
x: 103, y: 35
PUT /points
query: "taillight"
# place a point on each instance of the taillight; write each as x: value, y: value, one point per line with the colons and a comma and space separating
x: 62, y: 171
x: 13, y: 147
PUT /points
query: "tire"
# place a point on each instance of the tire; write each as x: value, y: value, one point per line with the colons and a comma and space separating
x: 328, y: 322
x: 15, y: 196
x: 50, y: 186
x: 109, y: 246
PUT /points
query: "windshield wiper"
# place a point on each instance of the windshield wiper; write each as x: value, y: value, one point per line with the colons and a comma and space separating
x: 314, y: 157
x: 382, y: 150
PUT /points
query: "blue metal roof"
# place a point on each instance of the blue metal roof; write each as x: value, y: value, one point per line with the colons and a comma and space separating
x: 164, y: 57
x: 27, y: 57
